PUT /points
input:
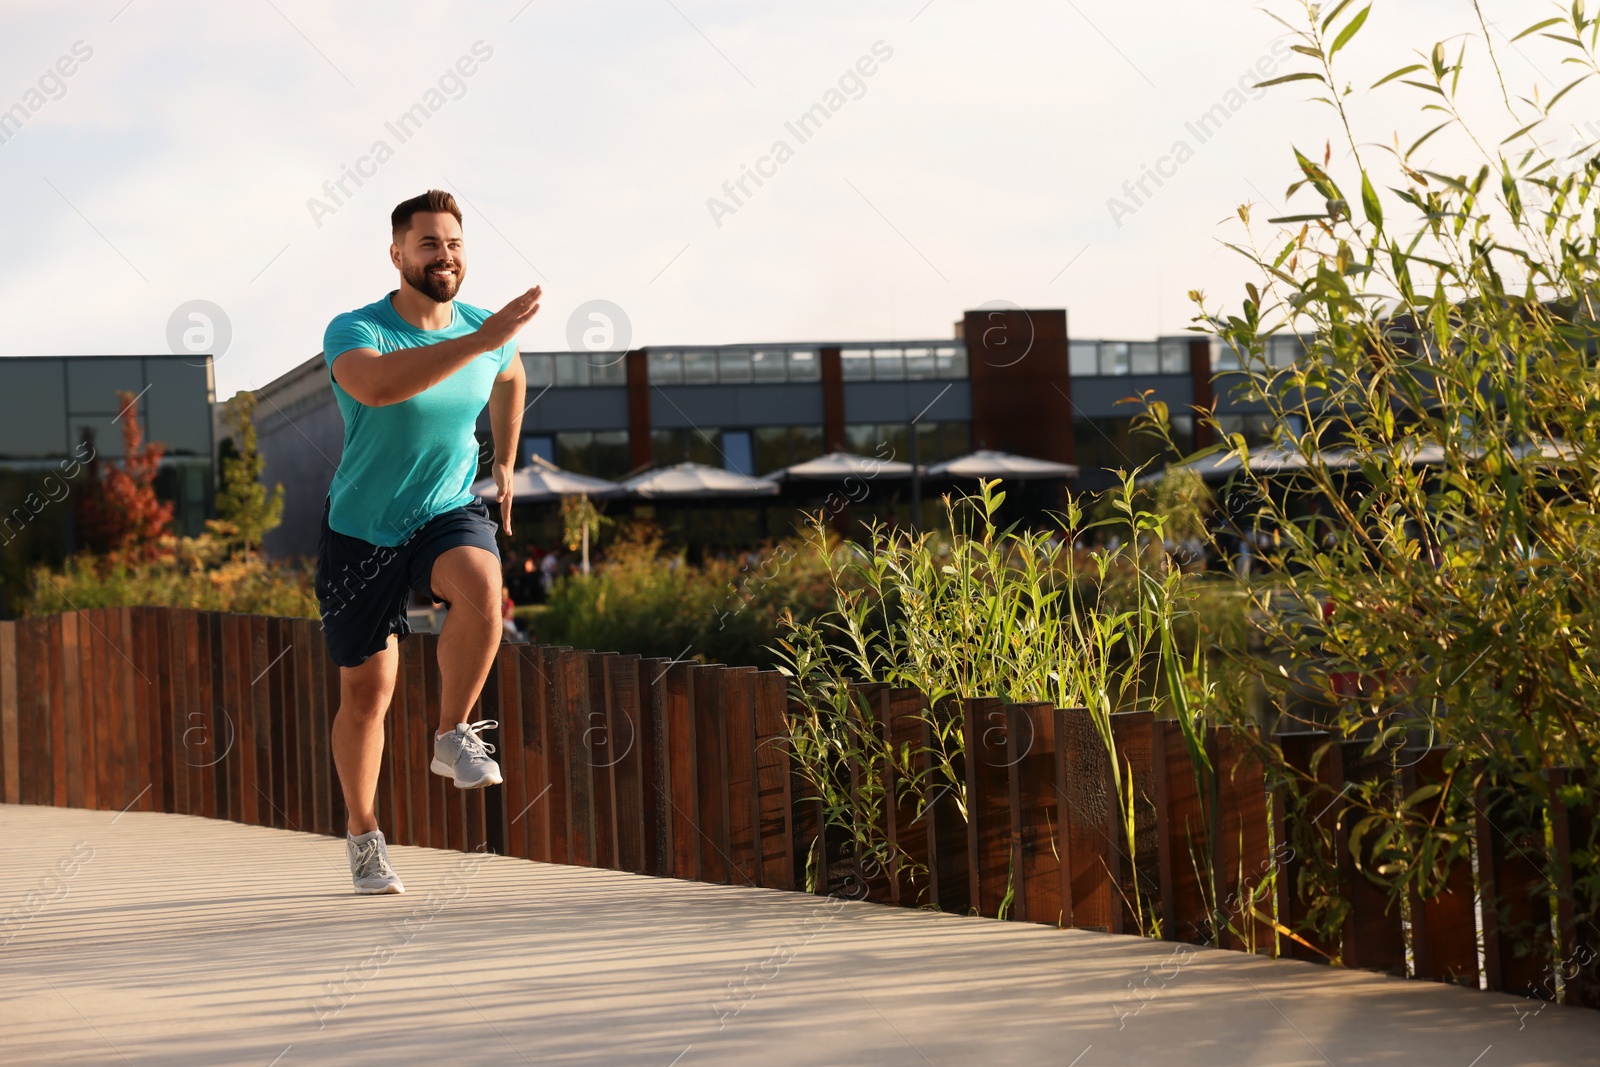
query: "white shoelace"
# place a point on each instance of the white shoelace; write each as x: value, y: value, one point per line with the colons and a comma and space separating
x: 472, y: 742
x: 370, y: 859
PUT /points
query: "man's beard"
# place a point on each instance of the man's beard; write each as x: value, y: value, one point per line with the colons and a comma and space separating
x: 439, y: 290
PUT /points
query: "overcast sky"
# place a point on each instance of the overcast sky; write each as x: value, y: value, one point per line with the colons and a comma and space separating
x: 186, y: 155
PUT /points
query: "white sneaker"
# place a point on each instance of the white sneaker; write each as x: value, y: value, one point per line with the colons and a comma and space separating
x: 463, y: 756
x: 369, y: 864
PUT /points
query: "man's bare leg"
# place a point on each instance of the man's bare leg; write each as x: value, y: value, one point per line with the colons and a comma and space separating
x: 364, y: 694
x: 469, y: 578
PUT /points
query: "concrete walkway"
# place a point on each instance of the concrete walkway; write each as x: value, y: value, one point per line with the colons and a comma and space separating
x: 165, y: 939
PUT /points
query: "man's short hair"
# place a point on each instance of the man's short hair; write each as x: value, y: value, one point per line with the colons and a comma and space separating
x: 434, y: 200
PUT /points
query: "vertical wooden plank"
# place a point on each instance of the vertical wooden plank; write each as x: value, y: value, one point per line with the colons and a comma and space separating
x: 165, y: 706
x: 1373, y: 936
x: 1516, y: 892
x: 508, y: 709
x: 135, y: 690
x: 10, y: 758
x: 1134, y: 864
x: 257, y: 693
x: 711, y: 777
x: 559, y: 798
x: 775, y: 861
x: 739, y: 724
x: 221, y: 781
x: 1083, y: 771
x: 624, y: 719
x: 1318, y: 763
x: 35, y: 734
x: 949, y: 861
x: 270, y: 681
x: 656, y: 770
x: 680, y: 776
x: 1183, y: 829
x: 65, y: 673
x: 573, y: 722
x: 596, y: 745
x: 531, y: 820
x: 339, y: 818
x: 1572, y: 827
x: 412, y: 711
x: 74, y: 782
x: 1244, y: 869
x: 989, y: 852
x: 1035, y: 832
x: 402, y: 735
x: 307, y: 649
x: 318, y: 756
x: 181, y: 659
x: 1444, y: 934
x: 903, y: 714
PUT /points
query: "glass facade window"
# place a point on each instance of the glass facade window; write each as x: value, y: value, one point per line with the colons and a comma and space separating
x: 611, y: 458
x: 541, y: 445
x: 766, y: 365
x: 608, y: 368
x: 857, y: 364
x: 888, y: 364
x: 1113, y: 357
x: 771, y: 448
x: 1083, y: 358
x: 1174, y: 356
x: 703, y: 446
x: 699, y: 367
x: 1144, y: 357
x: 805, y: 365
x: 1223, y: 356
x: 951, y: 361
x: 936, y: 441
x: 575, y: 451
x: 920, y: 364
x: 1284, y: 350
x: 540, y: 370
x: 666, y: 368
x: 805, y: 442
x: 733, y: 365
x: 572, y: 370
x: 737, y: 454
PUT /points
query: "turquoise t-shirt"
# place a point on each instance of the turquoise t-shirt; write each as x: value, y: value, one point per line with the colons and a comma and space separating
x: 406, y: 463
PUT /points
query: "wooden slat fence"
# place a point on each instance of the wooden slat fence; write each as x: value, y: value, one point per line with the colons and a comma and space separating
x: 682, y: 770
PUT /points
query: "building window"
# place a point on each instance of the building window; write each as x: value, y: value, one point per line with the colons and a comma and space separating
x: 936, y: 441
x: 1144, y: 357
x: 541, y: 445
x: 665, y: 368
x: 699, y: 367
x: 686, y: 446
x: 1113, y: 358
x: 575, y: 369
x: 777, y: 447
x: 1174, y: 355
x: 1083, y: 358
x: 737, y: 455
x: 898, y: 363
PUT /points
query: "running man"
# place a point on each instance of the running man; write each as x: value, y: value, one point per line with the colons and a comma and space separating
x: 412, y: 373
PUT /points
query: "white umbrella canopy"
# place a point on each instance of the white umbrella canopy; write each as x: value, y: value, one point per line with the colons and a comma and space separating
x: 837, y: 466
x: 694, y: 481
x: 542, y: 481
x: 1270, y: 461
x: 987, y: 463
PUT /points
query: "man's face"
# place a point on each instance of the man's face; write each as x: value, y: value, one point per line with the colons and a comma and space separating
x: 431, y: 256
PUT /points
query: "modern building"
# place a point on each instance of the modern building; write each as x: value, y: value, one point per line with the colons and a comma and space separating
x: 58, y: 411
x: 1008, y: 379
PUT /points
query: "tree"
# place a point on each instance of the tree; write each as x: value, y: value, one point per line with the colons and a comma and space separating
x: 246, y: 511
x: 580, y: 520
x: 118, y: 512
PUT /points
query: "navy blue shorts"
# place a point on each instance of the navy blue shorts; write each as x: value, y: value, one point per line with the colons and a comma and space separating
x: 363, y: 589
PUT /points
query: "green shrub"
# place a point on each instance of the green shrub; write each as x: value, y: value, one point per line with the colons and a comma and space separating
x: 644, y: 599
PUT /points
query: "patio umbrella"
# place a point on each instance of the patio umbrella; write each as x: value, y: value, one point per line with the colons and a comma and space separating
x: 542, y: 481
x: 986, y: 463
x: 1269, y: 461
x: 696, y: 481
x: 837, y: 466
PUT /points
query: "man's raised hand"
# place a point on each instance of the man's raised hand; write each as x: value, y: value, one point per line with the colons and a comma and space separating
x: 503, y: 325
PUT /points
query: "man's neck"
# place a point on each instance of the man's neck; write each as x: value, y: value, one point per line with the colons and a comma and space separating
x: 421, y: 311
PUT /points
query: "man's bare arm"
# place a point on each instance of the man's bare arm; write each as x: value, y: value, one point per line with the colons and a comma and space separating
x: 379, y: 379
x: 505, y: 421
